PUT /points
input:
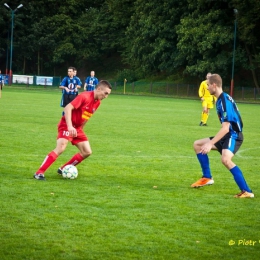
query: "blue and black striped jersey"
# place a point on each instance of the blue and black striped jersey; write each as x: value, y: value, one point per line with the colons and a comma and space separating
x: 227, y: 111
x: 71, y: 84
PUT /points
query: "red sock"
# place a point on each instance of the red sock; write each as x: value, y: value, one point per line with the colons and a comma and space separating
x: 48, y: 161
x: 76, y: 159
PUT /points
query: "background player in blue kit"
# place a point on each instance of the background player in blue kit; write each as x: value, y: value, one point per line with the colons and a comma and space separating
x: 75, y: 75
x: 69, y: 86
x: 227, y: 141
x: 91, y: 82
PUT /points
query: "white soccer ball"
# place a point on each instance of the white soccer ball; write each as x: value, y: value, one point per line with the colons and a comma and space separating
x: 70, y: 172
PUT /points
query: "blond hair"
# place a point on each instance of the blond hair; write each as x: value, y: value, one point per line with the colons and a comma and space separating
x: 215, y: 78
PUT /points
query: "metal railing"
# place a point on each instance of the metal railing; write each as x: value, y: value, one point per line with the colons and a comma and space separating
x: 143, y: 88
x: 179, y: 90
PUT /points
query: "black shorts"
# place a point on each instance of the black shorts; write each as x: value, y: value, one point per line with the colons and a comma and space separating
x: 66, y: 99
x: 229, y: 142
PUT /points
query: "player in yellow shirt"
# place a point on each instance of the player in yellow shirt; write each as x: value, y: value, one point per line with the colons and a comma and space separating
x: 207, y: 99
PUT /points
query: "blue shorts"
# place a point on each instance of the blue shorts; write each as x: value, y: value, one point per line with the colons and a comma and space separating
x: 229, y: 142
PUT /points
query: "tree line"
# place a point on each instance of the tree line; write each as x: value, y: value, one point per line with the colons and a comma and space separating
x: 156, y: 37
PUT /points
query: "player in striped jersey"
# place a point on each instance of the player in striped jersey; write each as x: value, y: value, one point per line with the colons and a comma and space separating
x: 227, y: 141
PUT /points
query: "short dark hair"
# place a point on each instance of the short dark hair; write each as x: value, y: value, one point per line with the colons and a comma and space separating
x: 104, y: 83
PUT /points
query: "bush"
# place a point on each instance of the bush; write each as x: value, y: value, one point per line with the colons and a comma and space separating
x: 129, y: 75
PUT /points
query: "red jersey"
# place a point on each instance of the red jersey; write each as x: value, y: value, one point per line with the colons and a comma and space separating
x: 84, y: 107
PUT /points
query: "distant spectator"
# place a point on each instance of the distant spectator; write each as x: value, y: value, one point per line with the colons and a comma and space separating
x: 91, y: 82
x: 2, y: 81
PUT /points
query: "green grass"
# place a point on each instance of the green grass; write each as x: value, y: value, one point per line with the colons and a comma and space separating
x: 112, y: 210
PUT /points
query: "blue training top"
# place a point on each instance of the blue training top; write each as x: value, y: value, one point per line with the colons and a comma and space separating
x: 227, y: 111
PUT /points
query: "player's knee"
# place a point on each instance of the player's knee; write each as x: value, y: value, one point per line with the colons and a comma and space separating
x: 86, y: 153
x: 196, y: 146
x: 226, y: 161
x: 60, y: 149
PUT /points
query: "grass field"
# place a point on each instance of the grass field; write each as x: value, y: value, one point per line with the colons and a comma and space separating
x: 132, y: 199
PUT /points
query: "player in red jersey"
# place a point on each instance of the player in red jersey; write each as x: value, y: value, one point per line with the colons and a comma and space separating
x: 70, y: 127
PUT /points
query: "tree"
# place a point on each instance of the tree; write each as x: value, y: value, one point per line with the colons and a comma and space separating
x: 103, y: 34
x: 159, y: 38
x: 151, y: 35
x: 204, y: 38
x: 248, y: 23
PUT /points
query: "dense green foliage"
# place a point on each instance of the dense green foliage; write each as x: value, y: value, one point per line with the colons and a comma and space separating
x: 132, y: 199
x: 147, y: 38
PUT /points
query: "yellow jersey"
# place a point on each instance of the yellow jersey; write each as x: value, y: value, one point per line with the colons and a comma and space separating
x: 203, y: 90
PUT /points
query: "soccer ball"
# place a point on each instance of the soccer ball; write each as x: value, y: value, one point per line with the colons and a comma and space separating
x: 70, y: 172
